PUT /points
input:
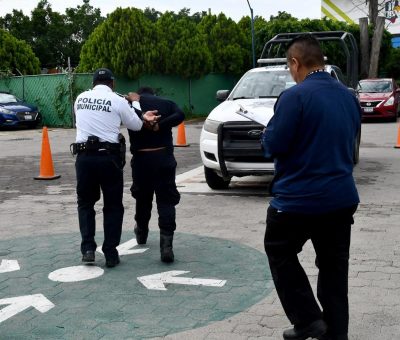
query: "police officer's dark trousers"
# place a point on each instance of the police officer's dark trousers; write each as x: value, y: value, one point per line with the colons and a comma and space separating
x: 154, y: 172
x: 329, y: 233
x: 95, y: 171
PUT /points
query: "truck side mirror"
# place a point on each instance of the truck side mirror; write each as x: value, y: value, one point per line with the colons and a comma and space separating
x: 222, y: 95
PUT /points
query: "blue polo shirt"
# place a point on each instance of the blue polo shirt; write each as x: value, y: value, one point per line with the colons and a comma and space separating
x: 311, y: 138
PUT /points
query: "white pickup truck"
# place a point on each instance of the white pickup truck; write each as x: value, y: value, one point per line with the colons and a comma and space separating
x: 230, y: 143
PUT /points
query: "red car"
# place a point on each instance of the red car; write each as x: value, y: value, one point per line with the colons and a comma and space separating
x: 379, y: 98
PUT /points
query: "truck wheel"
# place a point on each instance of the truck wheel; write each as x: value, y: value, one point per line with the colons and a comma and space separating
x: 214, y: 181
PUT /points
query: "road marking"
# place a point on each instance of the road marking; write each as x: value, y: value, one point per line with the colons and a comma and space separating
x: 158, y: 281
x: 20, y: 303
x: 9, y: 266
x: 76, y: 273
x: 193, y: 182
x: 125, y: 248
x: 190, y: 174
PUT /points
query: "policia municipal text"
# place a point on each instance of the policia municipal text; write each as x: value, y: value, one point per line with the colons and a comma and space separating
x: 100, y: 150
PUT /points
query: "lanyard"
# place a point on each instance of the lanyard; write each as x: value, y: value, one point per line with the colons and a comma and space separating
x: 315, y: 71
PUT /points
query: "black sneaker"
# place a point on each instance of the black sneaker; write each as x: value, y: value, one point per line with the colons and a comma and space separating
x: 88, y: 257
x: 316, y: 329
x: 112, y: 261
x: 141, y: 235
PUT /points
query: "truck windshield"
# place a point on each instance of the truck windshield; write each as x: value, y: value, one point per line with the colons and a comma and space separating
x: 262, y: 84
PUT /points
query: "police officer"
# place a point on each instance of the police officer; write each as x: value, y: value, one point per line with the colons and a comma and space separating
x: 99, y: 163
x: 153, y: 170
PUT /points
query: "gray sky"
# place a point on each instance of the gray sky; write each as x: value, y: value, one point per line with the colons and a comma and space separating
x: 232, y: 8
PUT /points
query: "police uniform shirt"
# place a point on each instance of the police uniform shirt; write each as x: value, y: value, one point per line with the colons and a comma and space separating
x: 99, y: 112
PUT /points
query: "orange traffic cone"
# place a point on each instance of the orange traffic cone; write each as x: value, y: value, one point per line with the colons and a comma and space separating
x: 181, y: 138
x: 397, y: 146
x: 46, y: 161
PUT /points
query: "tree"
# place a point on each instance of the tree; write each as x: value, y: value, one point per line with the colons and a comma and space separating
x: 18, y: 25
x: 244, y: 25
x: 49, y: 35
x: 370, y: 51
x: 392, y: 67
x: 16, y: 55
x: 193, y: 58
x: 53, y: 36
x: 151, y: 14
x: 182, y: 47
x: 125, y: 42
x: 80, y: 23
x: 228, y: 44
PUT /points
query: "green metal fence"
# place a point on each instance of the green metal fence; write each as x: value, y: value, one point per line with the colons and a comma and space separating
x: 55, y: 94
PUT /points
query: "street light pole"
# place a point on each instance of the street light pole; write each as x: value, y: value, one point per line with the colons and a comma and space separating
x: 252, y: 35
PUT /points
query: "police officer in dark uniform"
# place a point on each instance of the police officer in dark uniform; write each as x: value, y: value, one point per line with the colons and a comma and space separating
x: 153, y: 170
x: 100, y: 160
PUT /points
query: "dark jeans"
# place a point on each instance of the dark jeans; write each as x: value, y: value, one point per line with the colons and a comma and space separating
x: 94, y: 172
x: 329, y: 233
x: 153, y: 172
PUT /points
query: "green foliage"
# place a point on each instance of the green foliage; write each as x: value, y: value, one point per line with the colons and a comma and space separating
x: 151, y: 14
x: 125, y: 42
x: 49, y: 35
x: 53, y: 36
x: 16, y: 55
x: 285, y: 23
x: 228, y: 44
x: 133, y: 42
x: 182, y: 47
x: 192, y: 57
x: 80, y: 23
x: 18, y: 25
x: 392, y: 67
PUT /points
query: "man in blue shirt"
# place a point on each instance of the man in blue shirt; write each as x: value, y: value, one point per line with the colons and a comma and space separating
x: 311, y: 138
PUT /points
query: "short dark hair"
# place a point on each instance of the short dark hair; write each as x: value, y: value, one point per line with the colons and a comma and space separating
x: 109, y: 83
x: 307, y: 49
x: 146, y: 90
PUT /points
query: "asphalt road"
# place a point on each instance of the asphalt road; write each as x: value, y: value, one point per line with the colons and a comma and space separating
x: 218, y: 234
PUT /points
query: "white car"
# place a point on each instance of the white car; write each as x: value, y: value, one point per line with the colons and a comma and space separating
x: 230, y: 143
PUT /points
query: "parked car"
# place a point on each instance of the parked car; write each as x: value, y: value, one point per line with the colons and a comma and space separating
x: 14, y: 112
x: 379, y: 98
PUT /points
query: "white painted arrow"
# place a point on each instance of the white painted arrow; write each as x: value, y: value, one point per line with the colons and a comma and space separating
x: 9, y: 266
x: 125, y: 248
x: 20, y: 303
x: 158, y: 281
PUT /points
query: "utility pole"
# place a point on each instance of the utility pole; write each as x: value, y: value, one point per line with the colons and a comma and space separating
x: 252, y: 35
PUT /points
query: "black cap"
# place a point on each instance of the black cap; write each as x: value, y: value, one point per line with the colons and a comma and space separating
x: 102, y: 74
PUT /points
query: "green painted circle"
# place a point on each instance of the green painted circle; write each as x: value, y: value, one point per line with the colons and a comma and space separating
x: 116, y: 303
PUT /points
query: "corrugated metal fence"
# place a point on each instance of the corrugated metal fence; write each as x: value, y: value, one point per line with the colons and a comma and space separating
x: 54, y: 94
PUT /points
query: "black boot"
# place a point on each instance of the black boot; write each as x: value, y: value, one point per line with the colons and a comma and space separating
x: 167, y: 255
x: 314, y: 330
x: 88, y: 257
x: 141, y: 234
